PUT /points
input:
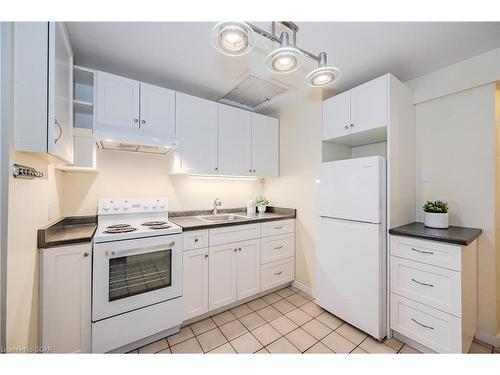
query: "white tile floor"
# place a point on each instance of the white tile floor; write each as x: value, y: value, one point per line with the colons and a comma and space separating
x: 286, y: 321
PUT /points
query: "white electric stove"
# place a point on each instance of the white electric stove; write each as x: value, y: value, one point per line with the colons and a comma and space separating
x: 137, y: 274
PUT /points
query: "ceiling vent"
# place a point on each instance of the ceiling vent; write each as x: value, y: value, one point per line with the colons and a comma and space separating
x: 254, y: 93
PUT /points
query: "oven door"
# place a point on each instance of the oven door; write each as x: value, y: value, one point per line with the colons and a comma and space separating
x: 131, y: 274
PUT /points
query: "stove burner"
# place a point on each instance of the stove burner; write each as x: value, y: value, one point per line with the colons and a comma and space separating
x: 160, y: 226
x: 154, y: 223
x: 122, y: 229
x: 115, y: 226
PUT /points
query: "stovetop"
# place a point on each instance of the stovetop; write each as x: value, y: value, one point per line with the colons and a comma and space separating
x: 123, y: 219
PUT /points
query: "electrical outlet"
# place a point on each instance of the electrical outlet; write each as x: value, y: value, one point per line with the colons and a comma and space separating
x: 424, y: 175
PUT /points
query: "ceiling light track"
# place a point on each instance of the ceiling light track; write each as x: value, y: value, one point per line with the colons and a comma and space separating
x: 237, y: 39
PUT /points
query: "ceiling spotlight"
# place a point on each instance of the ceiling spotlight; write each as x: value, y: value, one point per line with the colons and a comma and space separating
x: 285, y: 59
x: 233, y: 38
x: 323, y: 75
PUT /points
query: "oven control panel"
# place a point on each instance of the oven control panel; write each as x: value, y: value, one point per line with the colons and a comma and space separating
x: 132, y: 205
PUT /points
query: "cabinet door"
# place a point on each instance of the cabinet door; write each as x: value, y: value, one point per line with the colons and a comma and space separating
x: 265, y: 141
x: 235, y: 140
x: 222, y: 275
x: 117, y: 104
x: 195, y: 282
x: 60, y: 126
x: 65, y: 299
x: 247, y: 269
x: 157, y: 108
x: 197, y: 124
x: 337, y: 116
x: 369, y: 103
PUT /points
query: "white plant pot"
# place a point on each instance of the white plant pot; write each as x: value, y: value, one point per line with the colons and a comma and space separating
x: 261, y: 209
x: 436, y: 220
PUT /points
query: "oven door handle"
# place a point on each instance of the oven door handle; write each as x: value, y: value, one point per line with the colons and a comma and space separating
x: 139, y: 250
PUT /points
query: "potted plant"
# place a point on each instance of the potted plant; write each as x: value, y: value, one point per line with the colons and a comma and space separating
x: 436, y: 214
x: 261, y: 203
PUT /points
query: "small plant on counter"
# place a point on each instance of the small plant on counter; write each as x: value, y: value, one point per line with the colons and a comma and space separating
x: 436, y: 214
x: 261, y: 203
x: 438, y: 207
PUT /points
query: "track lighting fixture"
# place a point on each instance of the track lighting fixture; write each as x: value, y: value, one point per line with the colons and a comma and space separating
x: 233, y: 38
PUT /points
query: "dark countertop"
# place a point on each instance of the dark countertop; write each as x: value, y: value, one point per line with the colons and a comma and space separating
x: 189, y: 220
x: 454, y: 235
x: 67, y: 231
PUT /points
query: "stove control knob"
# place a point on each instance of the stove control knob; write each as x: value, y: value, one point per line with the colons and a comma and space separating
x: 106, y: 206
x: 116, y: 206
x: 125, y: 205
x: 162, y: 205
x: 154, y: 205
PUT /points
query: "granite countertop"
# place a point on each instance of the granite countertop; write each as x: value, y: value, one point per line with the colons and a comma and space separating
x: 67, y: 231
x: 462, y: 236
x: 189, y: 220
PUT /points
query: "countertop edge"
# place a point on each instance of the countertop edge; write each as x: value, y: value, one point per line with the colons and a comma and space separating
x: 231, y: 224
x: 43, y: 234
x: 476, y: 232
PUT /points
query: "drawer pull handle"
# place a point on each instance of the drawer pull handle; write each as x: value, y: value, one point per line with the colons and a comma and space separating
x: 423, y: 251
x: 421, y: 283
x: 278, y: 227
x: 422, y: 325
x: 279, y: 247
x: 278, y: 273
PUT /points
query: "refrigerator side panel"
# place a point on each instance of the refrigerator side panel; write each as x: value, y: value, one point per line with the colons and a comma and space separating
x: 352, y: 189
x: 350, y: 273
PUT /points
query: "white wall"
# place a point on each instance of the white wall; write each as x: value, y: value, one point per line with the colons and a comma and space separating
x: 300, y: 155
x: 456, y: 150
x: 128, y: 175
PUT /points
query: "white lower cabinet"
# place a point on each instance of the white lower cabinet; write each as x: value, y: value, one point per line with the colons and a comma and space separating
x: 236, y: 265
x: 65, y: 299
x: 434, y: 293
x: 195, y: 282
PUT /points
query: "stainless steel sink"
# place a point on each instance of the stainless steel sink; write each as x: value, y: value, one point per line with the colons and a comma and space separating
x: 223, y: 217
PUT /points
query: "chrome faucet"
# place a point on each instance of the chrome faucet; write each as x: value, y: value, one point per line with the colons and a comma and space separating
x: 217, y: 204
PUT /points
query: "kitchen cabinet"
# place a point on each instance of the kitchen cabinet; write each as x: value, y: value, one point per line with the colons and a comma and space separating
x: 433, y: 295
x: 132, y: 110
x: 65, y: 299
x: 196, y: 120
x: 265, y: 141
x: 157, y: 118
x: 361, y: 109
x: 43, y: 90
x: 234, y: 141
x: 221, y: 275
x: 195, y: 282
x: 117, y: 103
x: 248, y: 269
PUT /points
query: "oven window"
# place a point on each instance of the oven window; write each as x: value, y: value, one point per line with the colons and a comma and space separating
x: 142, y: 273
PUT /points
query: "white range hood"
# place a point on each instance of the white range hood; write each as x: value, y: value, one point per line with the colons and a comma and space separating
x: 136, y: 143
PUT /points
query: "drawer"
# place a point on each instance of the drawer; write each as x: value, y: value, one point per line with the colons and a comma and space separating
x: 434, y: 286
x: 276, y: 273
x: 276, y: 248
x: 430, y: 327
x: 429, y: 252
x: 195, y: 239
x: 273, y: 228
x: 236, y: 233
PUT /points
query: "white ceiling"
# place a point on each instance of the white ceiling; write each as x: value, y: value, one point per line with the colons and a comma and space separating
x: 179, y: 55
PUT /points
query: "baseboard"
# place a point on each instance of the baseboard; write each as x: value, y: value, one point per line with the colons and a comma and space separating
x: 303, y: 288
x: 487, y: 338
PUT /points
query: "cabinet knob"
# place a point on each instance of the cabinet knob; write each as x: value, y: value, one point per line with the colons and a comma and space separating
x: 346, y: 127
x: 239, y: 249
x: 235, y: 250
x: 249, y: 170
x: 143, y: 121
x: 195, y: 240
x: 206, y: 255
x: 253, y: 171
x: 136, y: 120
x: 85, y: 254
x: 216, y: 169
x: 352, y: 125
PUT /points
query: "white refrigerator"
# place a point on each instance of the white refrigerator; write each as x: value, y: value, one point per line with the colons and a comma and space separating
x: 351, y: 242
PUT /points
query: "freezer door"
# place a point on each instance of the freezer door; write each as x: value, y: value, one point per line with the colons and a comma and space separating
x: 352, y: 189
x: 351, y: 273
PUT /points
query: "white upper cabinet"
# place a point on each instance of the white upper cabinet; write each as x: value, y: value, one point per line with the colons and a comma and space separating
x: 369, y: 103
x: 235, y: 141
x: 117, y: 103
x: 265, y: 141
x: 43, y: 89
x: 337, y: 116
x: 196, y: 120
x: 361, y: 109
x: 157, y: 117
